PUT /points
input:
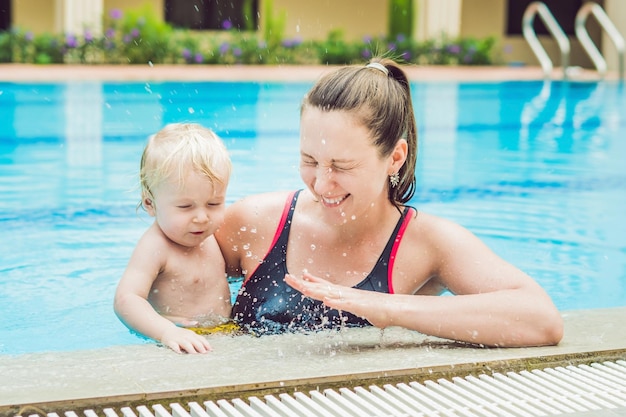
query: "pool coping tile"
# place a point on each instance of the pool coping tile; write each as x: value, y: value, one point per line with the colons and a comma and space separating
x: 284, y: 73
x: 241, y: 366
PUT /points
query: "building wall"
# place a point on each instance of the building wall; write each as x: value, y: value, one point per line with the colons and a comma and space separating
x: 37, y: 16
x: 437, y: 18
x: 616, y: 9
x: 40, y: 16
x: 315, y: 19
x: 482, y: 18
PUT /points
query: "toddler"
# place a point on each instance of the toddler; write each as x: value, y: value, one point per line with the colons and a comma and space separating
x: 175, y: 278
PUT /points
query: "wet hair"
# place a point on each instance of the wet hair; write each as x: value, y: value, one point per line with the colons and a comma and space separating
x: 381, y: 101
x: 178, y: 149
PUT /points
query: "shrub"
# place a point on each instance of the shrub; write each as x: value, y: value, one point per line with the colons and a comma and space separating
x: 21, y: 45
x: 336, y: 51
x: 400, y: 18
x: 6, y: 49
x: 138, y: 37
x: 274, y: 26
x: 48, y: 49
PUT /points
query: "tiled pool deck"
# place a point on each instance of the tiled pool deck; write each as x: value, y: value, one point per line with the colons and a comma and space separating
x: 24, y: 72
x: 241, y: 366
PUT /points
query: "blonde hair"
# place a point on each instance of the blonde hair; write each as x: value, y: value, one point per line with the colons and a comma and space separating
x: 180, y: 148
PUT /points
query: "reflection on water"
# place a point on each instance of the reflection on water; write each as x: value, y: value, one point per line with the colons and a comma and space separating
x: 534, y: 168
x: 83, y: 125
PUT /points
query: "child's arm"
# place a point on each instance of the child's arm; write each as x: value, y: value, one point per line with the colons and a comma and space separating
x: 131, y: 300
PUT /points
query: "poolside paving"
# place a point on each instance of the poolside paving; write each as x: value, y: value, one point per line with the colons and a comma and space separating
x: 241, y: 366
x: 38, y: 73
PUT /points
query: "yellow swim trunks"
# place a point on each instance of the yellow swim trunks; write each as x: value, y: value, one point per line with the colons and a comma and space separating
x: 228, y: 327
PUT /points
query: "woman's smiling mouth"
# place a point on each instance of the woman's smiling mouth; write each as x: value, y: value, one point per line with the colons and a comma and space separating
x: 333, y: 202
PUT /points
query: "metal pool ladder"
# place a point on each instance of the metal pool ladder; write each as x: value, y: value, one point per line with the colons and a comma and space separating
x: 597, y: 389
x: 548, y: 19
x: 609, y: 28
x: 582, y: 34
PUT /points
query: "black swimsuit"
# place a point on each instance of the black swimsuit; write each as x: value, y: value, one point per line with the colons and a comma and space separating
x: 266, y: 304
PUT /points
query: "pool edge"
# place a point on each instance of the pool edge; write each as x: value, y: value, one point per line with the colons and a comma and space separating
x: 148, y: 374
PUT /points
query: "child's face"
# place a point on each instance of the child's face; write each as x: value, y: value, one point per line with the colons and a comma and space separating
x: 189, y: 213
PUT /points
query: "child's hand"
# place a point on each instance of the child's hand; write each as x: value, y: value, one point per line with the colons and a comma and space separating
x: 183, y: 340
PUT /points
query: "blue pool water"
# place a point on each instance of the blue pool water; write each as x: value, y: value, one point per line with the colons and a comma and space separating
x: 536, y: 169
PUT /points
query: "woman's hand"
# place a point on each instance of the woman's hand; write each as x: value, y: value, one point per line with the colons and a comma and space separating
x: 361, y: 303
x: 184, y: 340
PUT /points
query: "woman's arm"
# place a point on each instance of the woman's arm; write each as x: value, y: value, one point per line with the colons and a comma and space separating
x: 498, y: 318
x: 495, y: 304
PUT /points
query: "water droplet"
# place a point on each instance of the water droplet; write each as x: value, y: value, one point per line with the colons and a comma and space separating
x: 312, y: 247
x: 243, y: 228
x: 191, y: 110
x: 353, y: 217
x: 310, y: 261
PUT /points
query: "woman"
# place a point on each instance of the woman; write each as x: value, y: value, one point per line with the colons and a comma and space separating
x: 347, y: 251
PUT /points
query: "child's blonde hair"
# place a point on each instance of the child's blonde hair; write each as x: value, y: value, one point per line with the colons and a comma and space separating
x: 180, y: 148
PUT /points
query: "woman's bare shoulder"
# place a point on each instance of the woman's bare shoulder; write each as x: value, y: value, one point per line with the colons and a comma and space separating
x: 431, y: 225
x: 259, y: 204
x: 258, y: 214
x: 436, y: 232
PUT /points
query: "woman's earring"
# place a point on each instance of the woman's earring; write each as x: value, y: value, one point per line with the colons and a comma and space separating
x: 394, y: 179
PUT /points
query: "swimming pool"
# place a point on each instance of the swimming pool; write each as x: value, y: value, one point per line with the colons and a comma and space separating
x: 534, y: 168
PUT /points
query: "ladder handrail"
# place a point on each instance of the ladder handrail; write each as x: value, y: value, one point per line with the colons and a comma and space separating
x: 548, y: 19
x: 585, y: 40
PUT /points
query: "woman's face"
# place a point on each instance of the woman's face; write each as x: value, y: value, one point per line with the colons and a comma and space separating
x: 340, y: 165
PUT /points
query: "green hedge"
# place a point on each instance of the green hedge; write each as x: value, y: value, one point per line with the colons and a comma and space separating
x: 138, y: 37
